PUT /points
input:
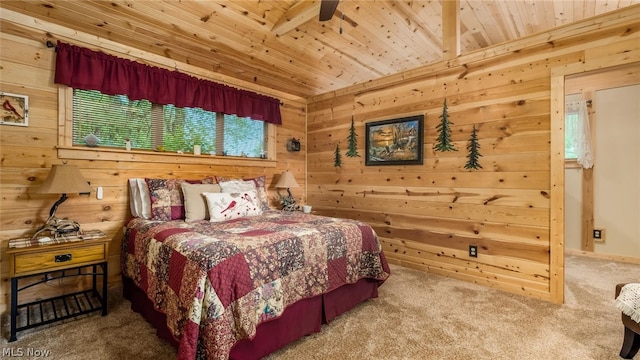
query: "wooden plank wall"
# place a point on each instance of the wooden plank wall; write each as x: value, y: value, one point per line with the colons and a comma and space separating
x: 512, y: 208
x: 27, y: 67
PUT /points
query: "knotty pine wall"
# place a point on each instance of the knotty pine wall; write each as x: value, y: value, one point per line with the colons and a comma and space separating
x: 512, y: 209
x: 27, y: 67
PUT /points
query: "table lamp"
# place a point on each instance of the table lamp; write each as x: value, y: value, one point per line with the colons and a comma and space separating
x: 287, y: 181
x: 62, y: 179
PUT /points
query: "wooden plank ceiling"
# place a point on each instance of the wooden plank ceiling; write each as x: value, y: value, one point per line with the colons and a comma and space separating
x: 282, y: 45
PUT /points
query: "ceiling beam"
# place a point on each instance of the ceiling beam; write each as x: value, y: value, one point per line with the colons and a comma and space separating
x: 450, y: 29
x: 297, y: 15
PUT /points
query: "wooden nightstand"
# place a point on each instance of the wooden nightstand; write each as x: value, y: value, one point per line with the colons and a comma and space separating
x: 42, y: 262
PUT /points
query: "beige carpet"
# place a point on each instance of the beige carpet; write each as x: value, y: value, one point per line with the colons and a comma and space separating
x: 417, y: 316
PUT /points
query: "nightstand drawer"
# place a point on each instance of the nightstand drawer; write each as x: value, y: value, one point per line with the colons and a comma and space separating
x: 53, y: 259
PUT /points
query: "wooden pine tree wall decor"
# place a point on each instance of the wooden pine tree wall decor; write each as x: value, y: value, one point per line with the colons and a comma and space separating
x: 473, y: 146
x: 337, y: 161
x: 443, y: 142
x: 352, y: 150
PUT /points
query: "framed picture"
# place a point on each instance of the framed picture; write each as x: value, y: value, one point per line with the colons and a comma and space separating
x: 15, y: 109
x: 395, y: 141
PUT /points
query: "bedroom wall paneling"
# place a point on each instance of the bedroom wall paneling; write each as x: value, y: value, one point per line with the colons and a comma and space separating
x: 512, y: 208
x: 27, y: 67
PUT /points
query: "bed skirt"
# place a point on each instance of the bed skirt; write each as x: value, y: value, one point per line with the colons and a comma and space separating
x: 299, y: 319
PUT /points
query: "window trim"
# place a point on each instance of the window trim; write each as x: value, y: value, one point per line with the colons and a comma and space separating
x: 571, y: 164
x: 66, y: 149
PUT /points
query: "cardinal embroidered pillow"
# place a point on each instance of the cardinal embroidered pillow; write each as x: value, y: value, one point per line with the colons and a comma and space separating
x: 227, y: 206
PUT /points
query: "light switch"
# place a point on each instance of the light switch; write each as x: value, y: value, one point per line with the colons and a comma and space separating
x: 99, y: 193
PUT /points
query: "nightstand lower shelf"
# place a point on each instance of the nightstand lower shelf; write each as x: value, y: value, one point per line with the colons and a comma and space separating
x: 46, y: 311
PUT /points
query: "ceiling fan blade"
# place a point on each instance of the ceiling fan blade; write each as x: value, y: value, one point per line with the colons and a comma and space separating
x: 327, y: 8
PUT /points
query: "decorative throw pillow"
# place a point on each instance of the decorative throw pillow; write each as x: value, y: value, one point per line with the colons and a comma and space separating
x: 195, y: 204
x: 167, y: 202
x: 260, y: 184
x: 227, y: 206
x: 235, y: 186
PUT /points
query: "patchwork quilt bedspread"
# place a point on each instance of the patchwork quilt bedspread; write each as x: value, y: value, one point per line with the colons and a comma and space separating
x: 216, y: 282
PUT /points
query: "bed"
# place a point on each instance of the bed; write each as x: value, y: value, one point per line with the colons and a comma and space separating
x: 245, y: 286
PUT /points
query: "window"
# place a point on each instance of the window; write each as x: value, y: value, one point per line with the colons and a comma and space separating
x: 571, y: 119
x: 115, y: 118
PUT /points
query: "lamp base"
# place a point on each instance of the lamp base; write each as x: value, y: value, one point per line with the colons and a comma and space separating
x: 57, y: 227
x: 288, y: 201
x: 291, y: 206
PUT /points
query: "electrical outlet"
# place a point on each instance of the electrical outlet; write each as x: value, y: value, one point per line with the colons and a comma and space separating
x: 473, y: 251
x: 598, y: 235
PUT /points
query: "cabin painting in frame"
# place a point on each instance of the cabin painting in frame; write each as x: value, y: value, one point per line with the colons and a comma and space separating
x: 14, y: 110
x: 395, y: 142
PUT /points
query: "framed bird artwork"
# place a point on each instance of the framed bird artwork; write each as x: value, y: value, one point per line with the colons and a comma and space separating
x: 15, y: 109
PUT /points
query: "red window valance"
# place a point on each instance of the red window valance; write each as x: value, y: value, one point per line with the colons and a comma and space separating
x: 86, y: 69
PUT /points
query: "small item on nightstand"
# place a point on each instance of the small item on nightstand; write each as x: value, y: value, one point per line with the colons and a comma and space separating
x: 306, y: 209
x: 45, y: 239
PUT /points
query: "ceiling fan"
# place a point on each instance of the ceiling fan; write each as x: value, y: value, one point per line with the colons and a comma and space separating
x: 327, y: 8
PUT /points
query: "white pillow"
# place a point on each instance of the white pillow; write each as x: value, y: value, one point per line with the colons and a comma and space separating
x: 195, y: 204
x: 144, y: 198
x: 227, y: 206
x: 139, y: 198
x: 236, y: 186
x: 133, y: 198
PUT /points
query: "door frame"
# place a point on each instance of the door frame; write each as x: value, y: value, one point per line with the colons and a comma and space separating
x: 557, y: 204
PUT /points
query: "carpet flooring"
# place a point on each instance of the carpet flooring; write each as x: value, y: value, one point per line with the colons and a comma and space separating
x: 417, y: 316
